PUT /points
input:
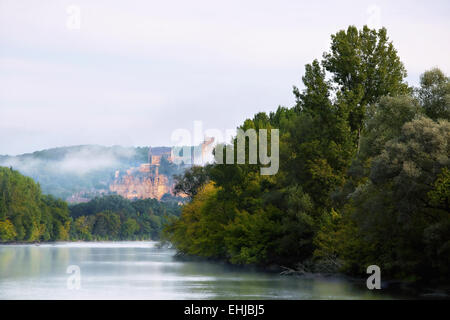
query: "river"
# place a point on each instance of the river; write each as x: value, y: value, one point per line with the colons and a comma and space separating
x: 141, y: 270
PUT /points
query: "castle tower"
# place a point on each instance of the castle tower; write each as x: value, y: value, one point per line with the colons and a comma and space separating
x: 149, y: 154
x: 207, y: 147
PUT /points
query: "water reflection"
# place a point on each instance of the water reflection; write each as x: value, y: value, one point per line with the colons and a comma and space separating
x: 139, y: 270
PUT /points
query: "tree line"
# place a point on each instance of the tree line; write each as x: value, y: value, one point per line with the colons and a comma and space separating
x: 364, y: 174
x: 116, y: 218
x: 27, y: 215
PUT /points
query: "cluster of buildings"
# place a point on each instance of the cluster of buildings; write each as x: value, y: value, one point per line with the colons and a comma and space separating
x: 146, y: 181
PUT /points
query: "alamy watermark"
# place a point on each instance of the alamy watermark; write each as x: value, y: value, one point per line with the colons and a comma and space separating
x: 374, y: 17
x: 73, y: 21
x: 263, y: 147
x: 74, y: 280
x: 374, y: 281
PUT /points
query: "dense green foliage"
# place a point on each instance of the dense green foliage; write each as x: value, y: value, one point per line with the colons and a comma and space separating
x: 363, y: 178
x: 116, y: 218
x: 26, y: 215
x: 190, y: 182
x: 434, y: 94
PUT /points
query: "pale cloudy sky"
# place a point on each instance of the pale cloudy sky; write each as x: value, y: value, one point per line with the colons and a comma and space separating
x: 135, y: 71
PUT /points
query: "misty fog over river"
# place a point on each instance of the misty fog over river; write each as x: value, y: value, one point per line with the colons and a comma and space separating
x: 141, y: 270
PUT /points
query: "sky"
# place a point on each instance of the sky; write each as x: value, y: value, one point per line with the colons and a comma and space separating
x: 134, y: 72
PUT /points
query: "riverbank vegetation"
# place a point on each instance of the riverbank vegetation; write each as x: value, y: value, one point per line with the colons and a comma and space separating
x: 116, y: 218
x: 364, y: 174
x: 26, y: 215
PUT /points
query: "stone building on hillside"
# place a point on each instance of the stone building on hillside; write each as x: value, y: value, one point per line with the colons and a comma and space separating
x: 147, y: 181
x: 144, y: 181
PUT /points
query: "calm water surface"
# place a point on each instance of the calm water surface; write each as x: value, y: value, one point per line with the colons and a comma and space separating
x: 140, y: 270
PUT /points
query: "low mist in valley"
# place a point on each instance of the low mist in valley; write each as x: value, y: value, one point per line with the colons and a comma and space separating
x: 67, y: 170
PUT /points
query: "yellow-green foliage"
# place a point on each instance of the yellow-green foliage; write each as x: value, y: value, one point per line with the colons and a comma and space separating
x: 7, y: 231
x: 199, y: 226
x: 26, y: 214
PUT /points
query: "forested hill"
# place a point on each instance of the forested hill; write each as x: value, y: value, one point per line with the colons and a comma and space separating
x: 64, y: 171
x: 27, y: 215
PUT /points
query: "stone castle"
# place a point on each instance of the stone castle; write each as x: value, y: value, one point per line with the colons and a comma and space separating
x: 146, y: 181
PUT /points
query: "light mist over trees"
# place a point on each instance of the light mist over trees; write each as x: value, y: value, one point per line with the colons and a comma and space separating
x: 26, y: 215
x: 67, y: 170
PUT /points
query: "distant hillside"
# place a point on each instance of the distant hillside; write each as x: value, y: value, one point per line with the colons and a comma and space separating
x: 27, y: 215
x: 65, y: 171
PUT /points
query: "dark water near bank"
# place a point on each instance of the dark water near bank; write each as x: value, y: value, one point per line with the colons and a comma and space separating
x: 140, y: 270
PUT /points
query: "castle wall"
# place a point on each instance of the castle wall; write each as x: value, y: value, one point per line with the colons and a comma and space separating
x: 141, y: 186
